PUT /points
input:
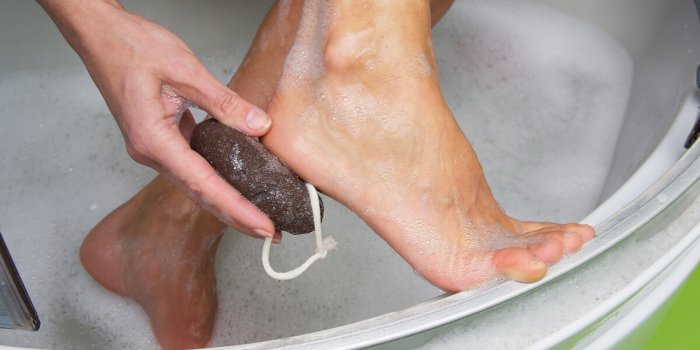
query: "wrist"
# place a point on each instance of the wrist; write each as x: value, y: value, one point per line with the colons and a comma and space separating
x: 79, y: 20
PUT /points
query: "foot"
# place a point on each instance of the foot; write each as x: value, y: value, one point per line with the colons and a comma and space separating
x: 358, y: 112
x: 158, y: 249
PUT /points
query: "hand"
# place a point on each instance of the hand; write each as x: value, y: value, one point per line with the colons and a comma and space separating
x: 146, y: 74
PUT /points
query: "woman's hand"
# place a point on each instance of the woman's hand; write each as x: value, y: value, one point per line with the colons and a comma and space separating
x: 146, y: 75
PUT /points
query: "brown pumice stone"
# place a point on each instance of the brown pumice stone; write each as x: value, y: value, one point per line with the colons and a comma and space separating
x: 257, y: 174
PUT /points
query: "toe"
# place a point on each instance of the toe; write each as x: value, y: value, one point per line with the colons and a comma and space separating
x: 549, y: 251
x: 570, y: 241
x: 571, y: 236
x: 585, y: 231
x: 519, y: 264
x: 533, y: 226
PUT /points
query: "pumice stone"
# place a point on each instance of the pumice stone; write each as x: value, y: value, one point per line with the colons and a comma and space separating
x: 257, y: 174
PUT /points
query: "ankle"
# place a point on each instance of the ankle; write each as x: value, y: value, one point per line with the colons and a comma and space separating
x: 348, y: 52
x: 362, y: 35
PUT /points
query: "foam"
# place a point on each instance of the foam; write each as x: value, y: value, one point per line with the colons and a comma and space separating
x: 175, y: 103
x: 305, y: 58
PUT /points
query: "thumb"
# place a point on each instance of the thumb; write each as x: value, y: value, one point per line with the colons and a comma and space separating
x: 224, y: 105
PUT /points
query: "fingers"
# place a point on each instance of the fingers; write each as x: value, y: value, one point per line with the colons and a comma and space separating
x: 197, y: 85
x: 278, y: 237
x: 159, y: 142
x: 143, y: 57
x: 206, y: 187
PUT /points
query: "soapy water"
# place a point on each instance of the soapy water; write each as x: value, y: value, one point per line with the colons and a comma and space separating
x: 176, y: 102
x: 530, y: 115
x: 542, y: 83
x: 304, y: 61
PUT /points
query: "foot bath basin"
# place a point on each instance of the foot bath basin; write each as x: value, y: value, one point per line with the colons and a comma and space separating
x: 578, y: 111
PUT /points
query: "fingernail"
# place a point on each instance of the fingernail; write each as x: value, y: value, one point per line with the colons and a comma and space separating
x: 263, y: 233
x: 278, y: 237
x: 257, y: 120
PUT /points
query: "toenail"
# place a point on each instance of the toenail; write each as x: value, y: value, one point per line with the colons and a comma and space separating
x: 538, y: 264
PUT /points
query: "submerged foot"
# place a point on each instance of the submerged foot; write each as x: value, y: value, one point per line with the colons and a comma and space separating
x: 358, y: 112
x: 158, y: 249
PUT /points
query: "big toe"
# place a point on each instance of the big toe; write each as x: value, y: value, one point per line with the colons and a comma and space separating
x: 519, y: 264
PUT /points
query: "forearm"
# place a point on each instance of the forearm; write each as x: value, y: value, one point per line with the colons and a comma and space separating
x: 81, y: 21
x: 131, y: 60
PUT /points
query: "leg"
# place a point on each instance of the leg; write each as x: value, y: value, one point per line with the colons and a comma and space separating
x: 359, y: 113
x: 438, y: 9
x: 160, y: 258
x: 116, y: 251
x: 158, y: 248
x: 257, y: 77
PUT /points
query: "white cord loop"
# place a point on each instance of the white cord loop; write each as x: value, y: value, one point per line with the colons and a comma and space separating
x: 323, y: 245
